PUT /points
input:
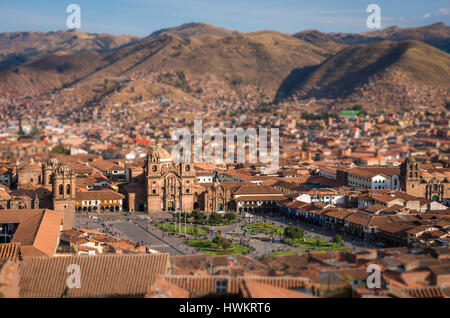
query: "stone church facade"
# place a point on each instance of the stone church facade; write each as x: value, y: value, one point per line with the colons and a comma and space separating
x: 169, y: 186
x: 431, y: 184
x: 55, y: 189
x: 166, y: 186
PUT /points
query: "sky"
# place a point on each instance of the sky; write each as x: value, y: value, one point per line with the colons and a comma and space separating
x: 142, y: 17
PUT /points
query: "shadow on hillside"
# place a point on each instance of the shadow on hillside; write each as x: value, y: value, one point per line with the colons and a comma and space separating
x: 294, y: 79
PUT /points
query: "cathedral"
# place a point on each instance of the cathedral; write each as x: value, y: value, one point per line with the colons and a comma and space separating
x: 431, y: 184
x: 50, y: 186
x: 169, y: 186
x: 166, y: 186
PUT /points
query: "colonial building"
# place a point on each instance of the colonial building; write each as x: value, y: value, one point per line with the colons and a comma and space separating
x: 99, y: 201
x: 166, y: 186
x: 169, y: 186
x: 52, y: 187
x: 431, y: 184
x: 63, y: 191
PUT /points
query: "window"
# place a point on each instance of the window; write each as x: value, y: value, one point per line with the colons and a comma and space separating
x: 188, y: 168
x: 221, y: 286
x: 61, y: 189
x: 153, y: 168
x: 68, y: 189
x: 154, y: 191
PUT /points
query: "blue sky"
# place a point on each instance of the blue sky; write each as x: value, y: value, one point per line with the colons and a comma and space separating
x: 142, y: 17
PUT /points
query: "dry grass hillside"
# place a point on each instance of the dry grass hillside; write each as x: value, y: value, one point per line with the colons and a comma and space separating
x: 262, y: 59
x: 17, y: 48
x: 177, y: 63
x: 354, y: 66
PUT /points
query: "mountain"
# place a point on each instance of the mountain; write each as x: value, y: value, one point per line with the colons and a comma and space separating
x: 323, y: 40
x: 194, y: 30
x: 437, y: 35
x: 390, y: 66
x: 20, y: 47
x: 261, y: 59
x: 201, y: 62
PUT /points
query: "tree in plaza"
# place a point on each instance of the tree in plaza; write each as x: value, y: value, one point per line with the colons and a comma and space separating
x: 198, y: 216
x: 214, y: 218
x: 222, y: 242
x: 218, y: 239
x: 227, y: 244
x: 337, y: 239
x: 230, y: 216
x: 294, y: 232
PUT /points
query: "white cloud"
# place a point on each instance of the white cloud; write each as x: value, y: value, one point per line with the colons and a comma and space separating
x: 426, y: 16
x: 443, y: 11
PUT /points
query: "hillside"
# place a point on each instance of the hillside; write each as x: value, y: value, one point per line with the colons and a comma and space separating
x: 402, y: 66
x: 261, y: 59
x: 437, y: 35
x: 194, y: 30
x: 320, y: 39
x: 201, y: 62
x: 20, y: 47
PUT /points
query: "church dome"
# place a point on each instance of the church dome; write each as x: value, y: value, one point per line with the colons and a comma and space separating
x: 161, y: 153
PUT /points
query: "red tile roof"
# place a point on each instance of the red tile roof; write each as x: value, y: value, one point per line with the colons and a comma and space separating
x: 37, y: 229
x: 10, y: 251
x: 101, y: 276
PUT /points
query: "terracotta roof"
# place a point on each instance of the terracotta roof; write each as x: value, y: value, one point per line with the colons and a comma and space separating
x: 253, y: 289
x: 99, y: 195
x: 4, y: 195
x: 36, y: 229
x: 101, y: 276
x: 10, y: 251
x: 440, y: 269
x: 256, y: 189
x: 202, y: 285
x: 426, y: 292
x: 370, y: 172
x: 35, y: 167
x: 106, y: 165
x: 262, y: 198
x: 162, y: 288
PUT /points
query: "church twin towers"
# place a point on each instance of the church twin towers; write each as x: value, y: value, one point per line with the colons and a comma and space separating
x: 62, y: 180
x: 169, y: 186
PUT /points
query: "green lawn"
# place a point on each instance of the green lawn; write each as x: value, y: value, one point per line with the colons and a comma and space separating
x: 311, y: 243
x: 207, y: 246
x: 262, y: 227
x: 167, y: 227
x: 280, y: 253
